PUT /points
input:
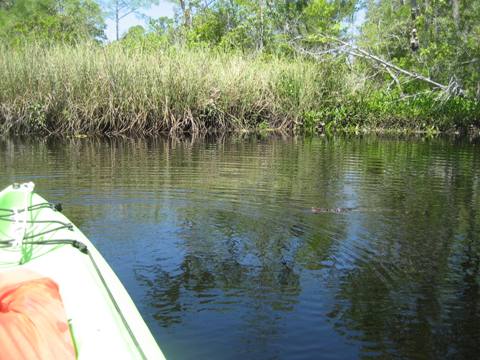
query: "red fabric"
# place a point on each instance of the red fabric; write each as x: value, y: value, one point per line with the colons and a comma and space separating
x: 33, y: 323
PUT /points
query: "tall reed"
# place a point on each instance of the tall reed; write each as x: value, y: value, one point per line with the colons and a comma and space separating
x: 88, y: 88
x: 92, y: 89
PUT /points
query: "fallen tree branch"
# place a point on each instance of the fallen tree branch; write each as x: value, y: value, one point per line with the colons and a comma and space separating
x: 395, y: 78
x: 387, y: 64
x: 319, y: 54
x: 453, y: 88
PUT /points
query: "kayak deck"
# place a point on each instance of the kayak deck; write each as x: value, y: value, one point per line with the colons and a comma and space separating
x: 104, y: 320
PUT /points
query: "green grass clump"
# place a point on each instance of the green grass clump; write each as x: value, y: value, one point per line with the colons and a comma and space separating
x: 114, y: 90
x: 87, y: 88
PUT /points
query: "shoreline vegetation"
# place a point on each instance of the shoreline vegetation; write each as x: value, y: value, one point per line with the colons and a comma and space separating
x: 87, y: 88
x: 300, y: 66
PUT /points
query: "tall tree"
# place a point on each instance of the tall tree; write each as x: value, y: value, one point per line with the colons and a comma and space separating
x: 188, y: 7
x: 51, y: 20
x: 119, y: 9
x: 260, y: 25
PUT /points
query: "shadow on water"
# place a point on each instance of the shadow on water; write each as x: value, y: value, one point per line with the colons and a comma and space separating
x: 216, y: 241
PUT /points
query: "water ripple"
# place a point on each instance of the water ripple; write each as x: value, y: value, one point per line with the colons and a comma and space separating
x: 216, y: 239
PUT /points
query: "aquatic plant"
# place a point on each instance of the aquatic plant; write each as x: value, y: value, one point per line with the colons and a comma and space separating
x: 87, y: 88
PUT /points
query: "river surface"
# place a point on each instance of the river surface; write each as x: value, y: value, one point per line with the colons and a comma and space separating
x: 217, y: 243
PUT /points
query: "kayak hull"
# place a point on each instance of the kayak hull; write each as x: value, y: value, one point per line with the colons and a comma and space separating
x: 104, y: 321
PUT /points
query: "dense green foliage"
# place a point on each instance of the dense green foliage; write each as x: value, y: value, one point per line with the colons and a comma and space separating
x: 50, y: 21
x: 238, y: 64
x: 259, y: 25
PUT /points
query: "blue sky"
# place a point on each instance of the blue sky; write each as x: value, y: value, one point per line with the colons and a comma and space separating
x: 164, y: 8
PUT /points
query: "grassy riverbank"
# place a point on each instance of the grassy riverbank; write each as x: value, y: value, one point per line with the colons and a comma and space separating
x: 89, y: 89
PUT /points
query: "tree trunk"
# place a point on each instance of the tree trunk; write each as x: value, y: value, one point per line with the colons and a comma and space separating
x: 117, y: 20
x: 261, y: 32
x: 427, y: 17
x: 186, y: 10
x: 436, y: 26
x: 456, y: 13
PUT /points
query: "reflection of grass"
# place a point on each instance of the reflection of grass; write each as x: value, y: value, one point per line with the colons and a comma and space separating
x: 89, y: 89
x: 236, y: 213
x: 242, y: 217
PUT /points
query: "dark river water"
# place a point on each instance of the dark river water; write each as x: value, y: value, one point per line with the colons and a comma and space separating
x: 217, y: 243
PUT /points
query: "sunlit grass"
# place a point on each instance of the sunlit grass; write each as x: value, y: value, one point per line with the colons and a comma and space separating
x: 115, y: 90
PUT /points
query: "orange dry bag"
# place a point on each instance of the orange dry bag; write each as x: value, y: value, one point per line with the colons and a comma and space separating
x: 33, y: 323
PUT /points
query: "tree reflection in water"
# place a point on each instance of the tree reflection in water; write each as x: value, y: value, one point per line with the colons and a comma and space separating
x: 230, y: 262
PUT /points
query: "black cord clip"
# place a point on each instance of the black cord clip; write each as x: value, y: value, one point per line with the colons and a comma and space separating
x: 80, y: 246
